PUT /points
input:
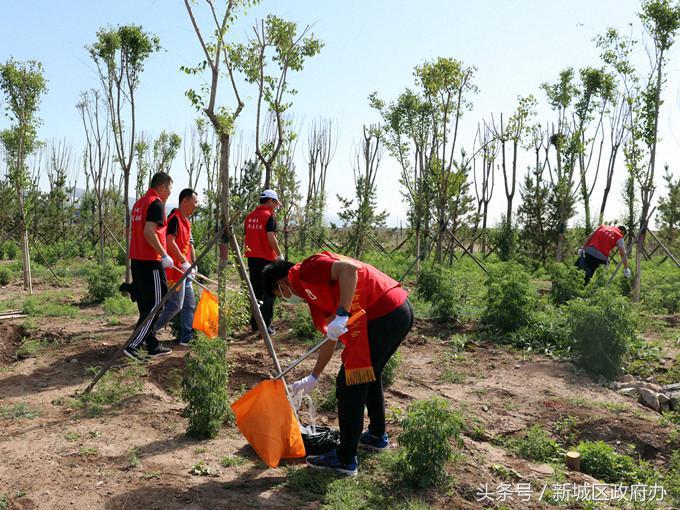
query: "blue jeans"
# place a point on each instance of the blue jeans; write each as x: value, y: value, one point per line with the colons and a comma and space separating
x: 182, y: 301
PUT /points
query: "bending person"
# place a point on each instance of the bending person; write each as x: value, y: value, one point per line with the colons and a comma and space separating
x: 334, y: 287
x: 597, y: 248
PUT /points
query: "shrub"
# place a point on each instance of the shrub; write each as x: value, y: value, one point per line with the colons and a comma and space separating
x: 601, y: 461
x: 11, y: 251
x: 510, y: 298
x: 303, y: 325
x: 234, y: 303
x: 602, y: 329
x: 505, y: 238
x: 204, y: 387
x: 389, y: 371
x: 536, y: 446
x: 119, y: 305
x: 102, y: 282
x: 5, y: 276
x: 428, y: 427
x: 453, y: 294
x: 567, y: 283
x: 546, y: 332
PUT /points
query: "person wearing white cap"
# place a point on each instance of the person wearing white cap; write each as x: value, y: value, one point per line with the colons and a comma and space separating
x: 261, y: 248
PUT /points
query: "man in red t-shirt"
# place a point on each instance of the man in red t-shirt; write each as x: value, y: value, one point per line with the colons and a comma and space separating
x: 148, y: 261
x: 180, y: 245
x: 261, y: 248
x: 336, y: 287
x: 597, y: 248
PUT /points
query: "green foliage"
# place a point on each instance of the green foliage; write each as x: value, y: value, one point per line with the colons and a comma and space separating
x: 30, y: 347
x: 204, y: 387
x: 113, y: 388
x: 328, y: 402
x: 601, y: 461
x: 427, y: 431
x: 303, y: 325
x: 601, y: 329
x: 453, y: 293
x: 39, y: 306
x: 505, y: 238
x: 567, y: 283
x: 102, y: 282
x: 510, y: 298
x: 673, y: 478
x: 5, y: 276
x: 18, y: 411
x: 389, y: 372
x: 11, y: 251
x: 119, y: 305
x: 536, y: 445
x: 547, y: 332
x: 234, y: 303
x: 232, y: 461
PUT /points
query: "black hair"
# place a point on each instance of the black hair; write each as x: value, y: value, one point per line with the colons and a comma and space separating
x: 272, y: 273
x: 186, y: 193
x: 264, y: 200
x: 622, y: 228
x: 160, y: 179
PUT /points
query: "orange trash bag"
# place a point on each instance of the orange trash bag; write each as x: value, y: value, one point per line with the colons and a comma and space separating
x: 266, y: 419
x: 206, y: 316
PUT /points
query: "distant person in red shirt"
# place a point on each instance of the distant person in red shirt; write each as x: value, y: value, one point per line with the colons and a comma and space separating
x: 597, y: 248
x: 262, y: 248
x: 180, y: 246
x: 148, y: 260
x: 335, y: 287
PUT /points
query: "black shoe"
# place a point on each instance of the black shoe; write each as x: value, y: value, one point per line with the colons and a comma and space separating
x: 271, y: 330
x: 159, y: 351
x: 135, y: 354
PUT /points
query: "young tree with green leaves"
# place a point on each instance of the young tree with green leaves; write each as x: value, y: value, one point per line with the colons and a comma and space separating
x: 266, y: 61
x: 22, y: 84
x: 154, y: 157
x: 120, y: 54
x: 485, y: 183
x: 669, y: 208
x: 359, y: 214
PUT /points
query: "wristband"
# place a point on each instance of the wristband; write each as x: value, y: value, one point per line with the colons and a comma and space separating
x: 315, y: 377
x: 341, y: 312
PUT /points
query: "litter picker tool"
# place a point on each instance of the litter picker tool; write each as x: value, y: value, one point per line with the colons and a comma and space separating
x: 192, y: 279
x: 318, y: 346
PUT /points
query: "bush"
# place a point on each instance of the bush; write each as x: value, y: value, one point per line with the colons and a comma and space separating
x: 102, y: 282
x: 11, y: 251
x: 119, y: 305
x: 567, y: 283
x: 536, y: 446
x: 505, y: 238
x: 428, y: 427
x: 204, y: 387
x: 510, y: 299
x: 454, y: 294
x: 234, y: 303
x: 303, y: 325
x: 547, y: 332
x: 5, y: 276
x: 601, y: 461
x: 389, y: 371
x: 602, y: 329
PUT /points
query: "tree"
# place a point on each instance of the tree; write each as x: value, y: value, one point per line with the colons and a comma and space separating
x: 669, y: 207
x: 361, y: 218
x: 484, y: 184
x: 446, y: 85
x: 276, y: 44
x: 22, y: 84
x: 154, y: 157
x: 120, y: 54
x: 217, y: 60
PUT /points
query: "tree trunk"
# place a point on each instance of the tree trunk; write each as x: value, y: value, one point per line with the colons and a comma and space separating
x: 126, y: 203
x: 223, y: 223
x: 23, y: 234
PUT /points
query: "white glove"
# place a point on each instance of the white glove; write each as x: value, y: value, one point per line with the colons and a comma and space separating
x: 280, y: 257
x: 166, y: 262
x: 185, y: 265
x: 305, y: 385
x: 580, y: 252
x: 337, y: 327
x: 626, y: 272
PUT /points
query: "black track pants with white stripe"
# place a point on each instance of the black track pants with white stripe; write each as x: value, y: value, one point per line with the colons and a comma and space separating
x: 148, y: 276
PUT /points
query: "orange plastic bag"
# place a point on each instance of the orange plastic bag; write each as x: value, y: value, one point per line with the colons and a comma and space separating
x: 266, y: 419
x: 206, y: 316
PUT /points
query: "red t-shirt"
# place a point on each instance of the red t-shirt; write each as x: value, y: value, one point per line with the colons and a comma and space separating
x: 318, y: 270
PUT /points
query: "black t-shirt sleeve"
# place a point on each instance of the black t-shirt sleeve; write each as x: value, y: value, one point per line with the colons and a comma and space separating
x: 271, y: 224
x: 156, y: 213
x: 173, y: 226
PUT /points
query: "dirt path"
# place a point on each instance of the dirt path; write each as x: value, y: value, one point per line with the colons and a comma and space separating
x: 137, y: 456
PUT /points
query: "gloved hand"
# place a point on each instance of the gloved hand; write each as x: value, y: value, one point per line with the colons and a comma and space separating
x: 580, y: 252
x: 305, y: 385
x: 166, y: 262
x: 337, y: 327
x: 626, y: 272
x: 280, y: 257
x: 185, y: 265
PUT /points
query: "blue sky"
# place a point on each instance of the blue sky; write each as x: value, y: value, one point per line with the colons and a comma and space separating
x: 369, y: 46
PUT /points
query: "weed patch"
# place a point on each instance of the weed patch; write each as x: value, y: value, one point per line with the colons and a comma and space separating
x: 18, y: 411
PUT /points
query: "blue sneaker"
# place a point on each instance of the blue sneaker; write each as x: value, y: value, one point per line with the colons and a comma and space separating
x: 368, y: 441
x: 330, y: 460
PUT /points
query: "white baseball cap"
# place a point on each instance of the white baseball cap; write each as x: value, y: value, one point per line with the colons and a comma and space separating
x: 270, y: 193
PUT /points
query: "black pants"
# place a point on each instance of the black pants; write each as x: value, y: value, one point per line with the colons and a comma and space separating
x: 384, y: 336
x: 148, y: 278
x: 589, y: 264
x: 255, y: 267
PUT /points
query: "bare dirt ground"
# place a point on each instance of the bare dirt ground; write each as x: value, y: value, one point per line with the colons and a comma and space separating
x: 136, y: 456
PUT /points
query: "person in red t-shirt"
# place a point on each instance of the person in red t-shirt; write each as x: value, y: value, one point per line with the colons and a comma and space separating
x: 148, y: 261
x: 180, y: 246
x: 597, y: 248
x: 336, y: 287
x: 261, y: 248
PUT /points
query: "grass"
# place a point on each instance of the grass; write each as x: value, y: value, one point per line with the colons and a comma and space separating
x: 328, y: 402
x: 232, y: 461
x: 71, y: 436
x: 449, y: 375
x: 536, y: 445
x: 19, y: 411
x: 112, y: 389
x: 44, y: 306
x: 29, y: 348
x: 88, y: 451
x: 119, y: 305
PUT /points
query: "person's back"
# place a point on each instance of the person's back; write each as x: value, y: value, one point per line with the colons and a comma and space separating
x: 255, y: 226
x: 603, y: 240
